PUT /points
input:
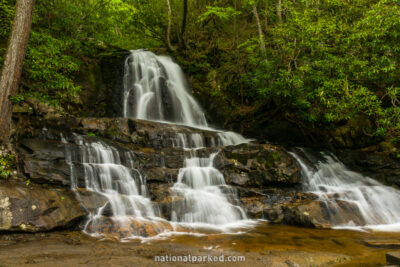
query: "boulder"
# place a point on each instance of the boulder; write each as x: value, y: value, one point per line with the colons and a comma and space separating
x: 33, y: 208
x: 257, y: 165
x: 305, y: 209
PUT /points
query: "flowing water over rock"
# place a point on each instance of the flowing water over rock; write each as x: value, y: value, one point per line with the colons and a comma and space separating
x: 201, y: 186
x: 113, y: 176
x: 369, y: 203
x: 155, y: 89
x: 162, y: 169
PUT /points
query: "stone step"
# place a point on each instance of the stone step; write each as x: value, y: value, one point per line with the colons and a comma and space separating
x: 393, y: 258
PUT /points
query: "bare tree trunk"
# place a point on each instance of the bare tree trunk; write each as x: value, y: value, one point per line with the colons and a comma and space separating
x: 169, y: 26
x: 184, y: 18
x: 260, y: 32
x: 279, y: 10
x: 12, y: 68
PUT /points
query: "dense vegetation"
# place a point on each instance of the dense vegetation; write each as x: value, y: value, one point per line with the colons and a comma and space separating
x: 317, y: 62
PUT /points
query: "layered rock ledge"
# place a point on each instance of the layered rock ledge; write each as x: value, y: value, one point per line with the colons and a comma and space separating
x: 265, y: 177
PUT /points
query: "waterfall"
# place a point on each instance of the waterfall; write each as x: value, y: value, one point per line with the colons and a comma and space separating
x: 376, y: 204
x: 201, y: 185
x: 112, y: 175
x: 155, y: 89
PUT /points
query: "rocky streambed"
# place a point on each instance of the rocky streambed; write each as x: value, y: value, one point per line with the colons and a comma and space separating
x: 264, y: 245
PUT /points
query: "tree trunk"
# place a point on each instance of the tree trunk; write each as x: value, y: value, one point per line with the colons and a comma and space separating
x: 169, y: 26
x: 12, y: 68
x: 183, y: 29
x: 279, y: 10
x: 260, y: 32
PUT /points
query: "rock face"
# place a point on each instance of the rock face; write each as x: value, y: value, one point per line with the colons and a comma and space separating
x: 254, y: 165
x: 32, y: 208
x: 265, y: 177
x: 374, y: 162
x: 304, y: 209
x: 102, y: 85
x: 248, y: 168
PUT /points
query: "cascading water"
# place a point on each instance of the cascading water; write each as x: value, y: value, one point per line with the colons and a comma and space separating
x: 113, y: 176
x: 376, y: 204
x: 155, y: 89
x: 203, y: 200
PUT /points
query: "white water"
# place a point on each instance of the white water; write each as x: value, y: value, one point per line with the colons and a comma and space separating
x: 201, y: 185
x: 155, y: 89
x: 378, y: 205
x: 123, y: 187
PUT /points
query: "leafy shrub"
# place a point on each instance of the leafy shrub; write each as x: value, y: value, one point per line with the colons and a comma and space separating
x: 7, y: 165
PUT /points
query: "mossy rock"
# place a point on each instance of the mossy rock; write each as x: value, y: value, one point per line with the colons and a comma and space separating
x: 271, y: 159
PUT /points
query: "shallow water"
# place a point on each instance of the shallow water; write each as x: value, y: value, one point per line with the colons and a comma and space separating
x: 263, y: 245
x: 365, y: 248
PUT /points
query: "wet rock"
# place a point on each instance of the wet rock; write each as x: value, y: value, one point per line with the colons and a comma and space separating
x: 393, y: 258
x: 44, y: 161
x: 91, y: 201
x: 257, y: 165
x: 304, y: 209
x: 33, y: 208
x: 129, y: 227
x: 375, y: 162
x: 109, y: 84
x: 161, y: 195
x: 163, y: 175
x: 385, y: 243
x: 140, y: 132
x: 252, y: 171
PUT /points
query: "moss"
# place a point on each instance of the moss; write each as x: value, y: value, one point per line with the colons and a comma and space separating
x: 271, y: 159
x: 112, y: 132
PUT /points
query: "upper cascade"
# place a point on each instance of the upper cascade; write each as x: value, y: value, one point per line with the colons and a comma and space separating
x: 155, y: 89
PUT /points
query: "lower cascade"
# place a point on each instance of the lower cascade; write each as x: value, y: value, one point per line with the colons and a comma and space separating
x: 113, y: 176
x: 372, y: 204
x: 204, y: 201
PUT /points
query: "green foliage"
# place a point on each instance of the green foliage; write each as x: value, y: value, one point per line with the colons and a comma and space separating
x: 222, y: 13
x: 328, y: 62
x: 92, y: 134
x: 7, y: 165
x: 50, y: 69
x: 331, y: 61
x: 6, y: 17
x: 17, y: 99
